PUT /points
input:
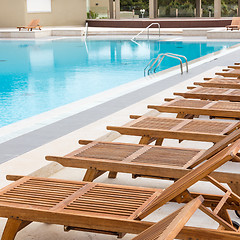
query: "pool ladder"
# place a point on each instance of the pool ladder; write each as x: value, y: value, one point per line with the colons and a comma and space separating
x: 147, y: 28
x: 155, y: 62
x: 86, y: 31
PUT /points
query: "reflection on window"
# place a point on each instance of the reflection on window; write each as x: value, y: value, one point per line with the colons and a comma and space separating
x: 34, y: 6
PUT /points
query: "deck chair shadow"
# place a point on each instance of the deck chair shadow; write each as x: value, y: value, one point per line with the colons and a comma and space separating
x: 235, y: 24
x: 113, y: 209
x: 32, y: 25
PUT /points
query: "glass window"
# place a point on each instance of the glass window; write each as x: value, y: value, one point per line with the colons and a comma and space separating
x: 36, y: 6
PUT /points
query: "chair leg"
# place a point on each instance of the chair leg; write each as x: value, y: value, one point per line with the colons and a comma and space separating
x: 181, y: 115
x: 235, y: 187
x: 112, y: 175
x: 144, y: 140
x: 90, y: 174
x: 159, y: 142
x: 225, y: 216
x: 11, y: 229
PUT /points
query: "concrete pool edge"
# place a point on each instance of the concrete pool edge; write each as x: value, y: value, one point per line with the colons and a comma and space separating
x: 40, y: 120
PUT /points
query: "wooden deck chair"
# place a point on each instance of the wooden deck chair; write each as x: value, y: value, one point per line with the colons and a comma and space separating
x: 235, y: 66
x: 145, y: 161
x: 169, y: 227
x: 220, y: 83
x: 229, y: 73
x: 235, y: 25
x: 158, y: 128
x: 112, y: 209
x: 190, y: 108
x: 32, y: 25
x: 215, y: 94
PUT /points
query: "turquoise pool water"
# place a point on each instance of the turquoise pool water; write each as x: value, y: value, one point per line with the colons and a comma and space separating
x: 37, y: 76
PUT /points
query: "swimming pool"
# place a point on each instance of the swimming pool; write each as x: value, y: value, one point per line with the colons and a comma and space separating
x: 37, y: 76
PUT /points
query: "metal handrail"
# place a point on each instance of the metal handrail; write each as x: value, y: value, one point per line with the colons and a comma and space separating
x: 147, y: 66
x: 182, y: 56
x: 156, y: 59
x: 86, y: 31
x: 163, y: 55
x: 132, y: 39
x: 171, y: 56
x: 157, y: 62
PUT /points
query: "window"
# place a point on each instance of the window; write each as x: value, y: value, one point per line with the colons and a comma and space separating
x: 36, y: 6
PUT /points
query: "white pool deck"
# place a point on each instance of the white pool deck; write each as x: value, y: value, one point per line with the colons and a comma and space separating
x: 34, y: 163
x: 48, y: 31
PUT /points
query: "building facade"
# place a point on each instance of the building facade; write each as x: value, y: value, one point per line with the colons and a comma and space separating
x: 54, y: 12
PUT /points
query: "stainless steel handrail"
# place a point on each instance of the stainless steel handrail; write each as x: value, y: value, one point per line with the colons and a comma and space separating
x: 132, y: 39
x: 171, y: 56
x: 147, y: 66
x: 86, y: 31
x: 157, y: 62
x: 156, y: 59
x: 182, y: 56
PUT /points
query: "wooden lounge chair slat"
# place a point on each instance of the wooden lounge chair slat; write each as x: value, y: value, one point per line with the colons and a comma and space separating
x: 220, y: 83
x: 197, y: 130
x: 87, y: 210
x: 195, y: 175
x: 200, y: 107
x: 169, y: 227
x: 230, y: 73
x: 158, y: 161
x: 215, y: 94
x: 138, y: 153
x: 120, y: 198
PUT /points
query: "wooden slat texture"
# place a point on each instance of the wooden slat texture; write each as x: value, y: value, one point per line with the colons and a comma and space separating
x: 59, y: 195
x: 200, y: 107
x: 230, y: 73
x: 184, y: 129
x: 157, y: 161
x: 152, y: 155
x: 101, y: 207
x: 195, y: 175
x: 207, y: 93
x: 43, y: 194
x: 220, y: 83
x: 153, y: 161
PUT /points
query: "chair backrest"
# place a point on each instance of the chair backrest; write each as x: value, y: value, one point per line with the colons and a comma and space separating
x: 235, y: 21
x: 34, y: 23
x: 218, y: 147
x: 195, y: 175
x: 169, y: 227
